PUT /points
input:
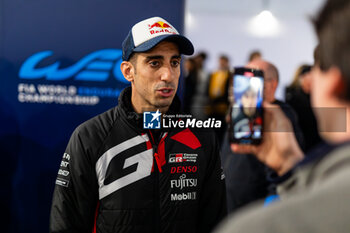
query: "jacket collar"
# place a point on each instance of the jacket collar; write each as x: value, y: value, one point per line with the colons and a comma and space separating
x: 131, y: 116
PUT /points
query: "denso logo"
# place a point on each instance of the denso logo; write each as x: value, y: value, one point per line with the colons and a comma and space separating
x: 96, y: 66
x: 183, y: 169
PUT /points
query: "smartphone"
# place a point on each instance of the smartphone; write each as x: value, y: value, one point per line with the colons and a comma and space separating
x: 246, y: 113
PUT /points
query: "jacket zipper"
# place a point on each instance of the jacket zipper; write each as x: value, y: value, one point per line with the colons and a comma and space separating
x: 156, y: 183
x: 156, y: 152
x: 156, y: 156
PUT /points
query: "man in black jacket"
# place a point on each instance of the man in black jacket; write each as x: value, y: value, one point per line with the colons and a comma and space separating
x: 116, y: 176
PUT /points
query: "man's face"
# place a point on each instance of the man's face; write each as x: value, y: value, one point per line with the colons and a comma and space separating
x: 270, y: 85
x: 305, y: 82
x: 223, y: 64
x: 249, y: 101
x: 155, y: 77
x: 270, y: 82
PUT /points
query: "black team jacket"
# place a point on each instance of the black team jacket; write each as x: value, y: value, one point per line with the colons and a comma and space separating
x: 116, y: 176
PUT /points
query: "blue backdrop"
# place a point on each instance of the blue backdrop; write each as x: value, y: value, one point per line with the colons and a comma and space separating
x: 59, y: 66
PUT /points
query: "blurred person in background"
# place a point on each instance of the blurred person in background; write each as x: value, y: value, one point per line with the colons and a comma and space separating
x: 218, y: 94
x: 191, y: 76
x: 254, y: 55
x: 298, y: 96
x: 200, y: 97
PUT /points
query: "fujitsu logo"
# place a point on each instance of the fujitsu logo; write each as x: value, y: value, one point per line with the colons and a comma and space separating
x: 182, y: 182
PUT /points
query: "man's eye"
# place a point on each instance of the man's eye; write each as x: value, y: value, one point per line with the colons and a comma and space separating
x: 175, y: 63
x: 154, y: 63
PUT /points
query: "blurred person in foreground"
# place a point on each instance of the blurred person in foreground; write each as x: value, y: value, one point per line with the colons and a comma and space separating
x: 315, y: 190
x: 248, y: 179
x: 118, y: 176
x: 298, y: 97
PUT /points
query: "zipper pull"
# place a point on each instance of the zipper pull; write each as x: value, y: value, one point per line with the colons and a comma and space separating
x: 156, y: 156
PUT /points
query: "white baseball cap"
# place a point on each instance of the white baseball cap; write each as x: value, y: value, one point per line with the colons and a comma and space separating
x: 146, y: 34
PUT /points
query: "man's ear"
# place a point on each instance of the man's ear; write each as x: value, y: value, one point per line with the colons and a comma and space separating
x: 128, y: 70
x: 336, y: 82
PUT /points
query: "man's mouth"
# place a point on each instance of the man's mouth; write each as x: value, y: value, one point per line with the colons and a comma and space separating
x: 165, y: 92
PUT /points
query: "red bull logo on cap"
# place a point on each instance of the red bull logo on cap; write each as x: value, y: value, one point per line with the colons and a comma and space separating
x: 160, y: 26
x: 151, y: 28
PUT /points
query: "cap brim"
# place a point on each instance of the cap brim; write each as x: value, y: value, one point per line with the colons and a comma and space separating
x: 184, y: 44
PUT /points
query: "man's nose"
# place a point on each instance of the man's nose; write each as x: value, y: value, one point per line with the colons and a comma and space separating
x: 167, y: 73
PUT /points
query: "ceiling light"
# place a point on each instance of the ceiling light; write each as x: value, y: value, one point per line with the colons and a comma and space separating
x: 264, y: 25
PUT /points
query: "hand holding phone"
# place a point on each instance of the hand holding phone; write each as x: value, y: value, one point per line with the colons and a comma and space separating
x: 279, y: 150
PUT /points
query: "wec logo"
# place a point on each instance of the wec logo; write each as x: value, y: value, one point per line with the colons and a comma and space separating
x: 96, y: 66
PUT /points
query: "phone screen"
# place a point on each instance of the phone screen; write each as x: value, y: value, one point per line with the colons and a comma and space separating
x: 246, y: 114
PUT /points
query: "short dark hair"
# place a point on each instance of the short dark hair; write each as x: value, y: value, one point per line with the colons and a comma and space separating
x: 304, y: 70
x: 203, y: 55
x: 273, y: 71
x: 224, y: 57
x: 333, y: 29
x: 254, y: 54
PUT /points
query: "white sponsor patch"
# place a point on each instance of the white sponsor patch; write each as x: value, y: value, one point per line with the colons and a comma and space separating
x: 182, y: 182
x: 63, y: 172
x: 62, y: 182
x: 222, y: 174
x: 183, y: 196
x: 182, y: 157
